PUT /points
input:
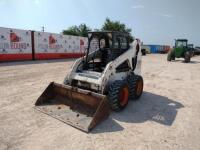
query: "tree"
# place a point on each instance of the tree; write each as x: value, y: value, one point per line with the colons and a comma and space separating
x: 73, y: 30
x: 81, y: 30
x: 116, y: 26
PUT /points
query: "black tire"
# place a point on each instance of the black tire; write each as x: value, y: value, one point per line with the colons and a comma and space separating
x: 187, y: 57
x: 114, y: 94
x: 171, y: 55
x: 136, y: 86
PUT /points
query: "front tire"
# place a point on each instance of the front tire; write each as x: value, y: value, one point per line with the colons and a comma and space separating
x: 187, y: 57
x: 118, y: 95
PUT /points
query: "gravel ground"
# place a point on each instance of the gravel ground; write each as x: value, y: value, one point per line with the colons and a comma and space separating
x: 167, y: 116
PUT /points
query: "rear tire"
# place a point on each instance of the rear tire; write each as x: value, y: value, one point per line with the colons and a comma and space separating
x: 118, y: 95
x: 136, y: 86
x: 170, y: 55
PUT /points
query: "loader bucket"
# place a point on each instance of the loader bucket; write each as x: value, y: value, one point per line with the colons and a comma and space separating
x: 79, y: 108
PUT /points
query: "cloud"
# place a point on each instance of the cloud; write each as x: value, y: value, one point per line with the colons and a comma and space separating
x: 166, y: 15
x: 138, y: 7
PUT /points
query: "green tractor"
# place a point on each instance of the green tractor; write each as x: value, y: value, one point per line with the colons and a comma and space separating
x: 181, y: 50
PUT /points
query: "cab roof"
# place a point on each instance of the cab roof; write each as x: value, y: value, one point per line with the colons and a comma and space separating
x: 181, y: 40
x: 107, y: 32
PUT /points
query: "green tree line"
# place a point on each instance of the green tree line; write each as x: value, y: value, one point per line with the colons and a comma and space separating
x: 108, y: 25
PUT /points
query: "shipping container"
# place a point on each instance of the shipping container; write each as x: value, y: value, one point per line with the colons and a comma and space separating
x: 153, y: 48
x: 159, y: 48
x: 15, y: 44
x: 27, y: 45
x: 50, y: 46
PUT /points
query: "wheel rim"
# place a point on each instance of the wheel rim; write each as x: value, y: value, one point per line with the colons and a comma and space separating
x: 124, y: 93
x: 139, y: 87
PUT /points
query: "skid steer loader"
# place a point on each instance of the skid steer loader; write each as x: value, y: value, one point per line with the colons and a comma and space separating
x: 105, y: 78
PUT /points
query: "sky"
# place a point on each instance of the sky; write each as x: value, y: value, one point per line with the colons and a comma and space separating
x: 153, y: 21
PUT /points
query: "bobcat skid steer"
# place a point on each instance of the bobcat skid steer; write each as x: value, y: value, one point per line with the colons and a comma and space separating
x: 107, y: 77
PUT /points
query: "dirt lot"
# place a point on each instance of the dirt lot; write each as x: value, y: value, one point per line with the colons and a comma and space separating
x: 166, y: 117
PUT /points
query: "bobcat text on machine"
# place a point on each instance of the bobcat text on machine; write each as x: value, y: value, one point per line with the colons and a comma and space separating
x: 108, y: 76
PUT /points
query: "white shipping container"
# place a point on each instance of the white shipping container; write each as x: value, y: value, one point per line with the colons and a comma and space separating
x: 15, y: 41
x: 48, y: 42
x: 58, y: 43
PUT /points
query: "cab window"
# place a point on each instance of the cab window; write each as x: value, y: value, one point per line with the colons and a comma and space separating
x: 116, y: 43
x: 120, y: 42
x: 123, y: 43
x: 181, y: 44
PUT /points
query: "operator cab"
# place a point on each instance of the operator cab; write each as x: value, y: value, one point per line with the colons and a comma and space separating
x: 181, y: 43
x: 104, y: 47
